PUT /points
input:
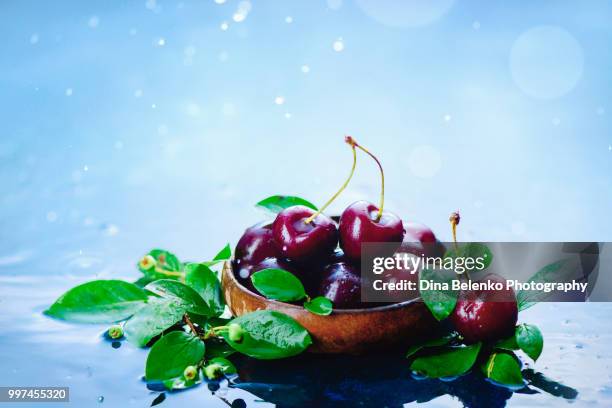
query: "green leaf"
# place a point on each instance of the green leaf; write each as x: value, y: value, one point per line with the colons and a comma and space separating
x: 165, y: 262
x: 226, y: 366
x: 529, y: 338
x: 437, y: 342
x: 472, y: 250
x: 171, y: 354
x: 152, y: 320
x: 448, y: 362
x: 182, y: 294
x: 278, y: 203
x: 560, y: 271
x: 100, y: 301
x: 218, y: 348
x: 278, y: 284
x: 440, y: 303
x: 204, y: 281
x: 507, y: 344
x: 223, y: 255
x: 270, y: 335
x: 320, y: 306
x: 503, y: 368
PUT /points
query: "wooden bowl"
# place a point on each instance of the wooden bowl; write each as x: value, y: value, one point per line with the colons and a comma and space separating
x: 352, y: 331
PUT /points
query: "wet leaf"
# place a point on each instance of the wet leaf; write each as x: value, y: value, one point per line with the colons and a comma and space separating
x: 270, y: 335
x: 278, y: 203
x: 100, y: 301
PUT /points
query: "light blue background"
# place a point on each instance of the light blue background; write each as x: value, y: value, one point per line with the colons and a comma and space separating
x: 128, y: 125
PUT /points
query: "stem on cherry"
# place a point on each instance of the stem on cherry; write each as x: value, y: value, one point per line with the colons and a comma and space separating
x: 352, y: 143
x: 454, y: 220
x: 382, y: 175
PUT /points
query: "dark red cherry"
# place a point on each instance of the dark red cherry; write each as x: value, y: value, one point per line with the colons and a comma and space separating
x: 243, y: 273
x: 301, y: 241
x: 420, y: 232
x: 487, y: 314
x: 358, y: 224
x: 255, y: 245
x: 342, y: 285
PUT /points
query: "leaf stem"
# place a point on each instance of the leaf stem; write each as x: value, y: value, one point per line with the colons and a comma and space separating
x: 212, y: 332
x: 352, y: 143
x: 189, y: 323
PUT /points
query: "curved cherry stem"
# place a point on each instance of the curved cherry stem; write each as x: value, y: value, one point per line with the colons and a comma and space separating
x: 348, y: 140
x: 382, y: 176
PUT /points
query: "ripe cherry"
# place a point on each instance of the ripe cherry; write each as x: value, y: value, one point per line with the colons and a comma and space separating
x: 300, y: 237
x: 419, y: 232
x: 360, y: 223
x: 364, y: 222
x: 244, y: 272
x: 255, y: 245
x: 342, y: 285
x: 487, y: 314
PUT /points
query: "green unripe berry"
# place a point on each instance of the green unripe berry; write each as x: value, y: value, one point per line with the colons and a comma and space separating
x: 115, y: 332
x: 213, y: 371
x: 190, y: 373
x: 235, y: 332
x: 147, y: 262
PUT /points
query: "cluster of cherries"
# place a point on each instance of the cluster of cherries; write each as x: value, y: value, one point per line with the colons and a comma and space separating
x: 325, y: 255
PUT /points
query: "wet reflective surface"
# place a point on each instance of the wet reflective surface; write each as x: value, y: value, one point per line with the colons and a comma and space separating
x: 150, y: 125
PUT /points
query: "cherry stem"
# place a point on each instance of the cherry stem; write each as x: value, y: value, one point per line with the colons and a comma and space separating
x: 382, y: 177
x: 454, y: 220
x: 348, y: 140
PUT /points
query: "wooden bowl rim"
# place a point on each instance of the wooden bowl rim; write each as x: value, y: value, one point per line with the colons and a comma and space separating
x: 228, y: 266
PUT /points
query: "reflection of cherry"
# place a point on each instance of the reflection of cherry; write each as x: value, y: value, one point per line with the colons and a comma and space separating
x: 486, y: 315
x: 364, y: 222
x: 301, y: 237
x: 342, y: 285
x: 255, y: 245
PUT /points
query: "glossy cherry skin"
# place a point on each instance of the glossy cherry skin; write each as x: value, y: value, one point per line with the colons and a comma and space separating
x: 243, y: 274
x: 358, y: 225
x: 341, y: 284
x: 255, y: 245
x: 420, y: 232
x: 301, y: 241
x: 486, y: 315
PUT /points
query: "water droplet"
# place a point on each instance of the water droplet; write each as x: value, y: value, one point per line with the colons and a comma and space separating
x: 93, y: 22
x: 220, y: 1
x: 138, y: 93
x: 305, y: 69
x: 279, y: 100
x: 101, y: 399
x: 161, y: 41
x: 287, y: 115
x: 224, y: 26
x: 334, y: 4
x: 68, y: 92
x: 338, y: 45
x: 288, y: 19
x: 447, y: 118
